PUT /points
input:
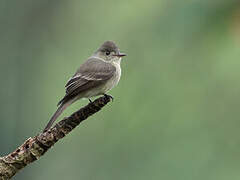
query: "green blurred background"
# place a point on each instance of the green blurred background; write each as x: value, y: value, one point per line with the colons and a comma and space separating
x: 176, y: 110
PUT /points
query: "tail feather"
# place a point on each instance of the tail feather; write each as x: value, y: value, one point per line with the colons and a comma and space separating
x: 59, y: 111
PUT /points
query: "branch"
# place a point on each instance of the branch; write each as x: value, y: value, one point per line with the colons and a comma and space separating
x: 33, y: 148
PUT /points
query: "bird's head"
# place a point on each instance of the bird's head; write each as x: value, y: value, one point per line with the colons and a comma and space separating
x: 109, y: 51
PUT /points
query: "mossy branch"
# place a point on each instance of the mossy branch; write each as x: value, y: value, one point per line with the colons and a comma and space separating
x: 33, y: 148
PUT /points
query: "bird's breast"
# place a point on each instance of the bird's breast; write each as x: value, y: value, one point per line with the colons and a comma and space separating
x: 114, y: 80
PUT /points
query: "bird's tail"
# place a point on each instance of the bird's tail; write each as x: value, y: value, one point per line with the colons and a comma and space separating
x: 59, y: 111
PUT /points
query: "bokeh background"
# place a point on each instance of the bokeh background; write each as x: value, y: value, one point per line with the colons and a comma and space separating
x: 176, y: 110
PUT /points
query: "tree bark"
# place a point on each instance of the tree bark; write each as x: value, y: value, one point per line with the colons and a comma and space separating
x: 33, y: 148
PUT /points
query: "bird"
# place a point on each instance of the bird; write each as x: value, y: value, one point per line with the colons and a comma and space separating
x: 96, y: 76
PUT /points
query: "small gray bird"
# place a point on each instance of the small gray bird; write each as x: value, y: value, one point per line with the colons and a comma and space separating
x: 96, y: 76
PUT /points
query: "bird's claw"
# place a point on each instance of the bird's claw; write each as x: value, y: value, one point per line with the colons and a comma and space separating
x: 109, y: 96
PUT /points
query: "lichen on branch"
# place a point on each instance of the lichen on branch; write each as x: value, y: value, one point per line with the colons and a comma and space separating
x: 33, y: 148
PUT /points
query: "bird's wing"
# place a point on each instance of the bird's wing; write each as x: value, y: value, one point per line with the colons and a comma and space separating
x: 91, y: 74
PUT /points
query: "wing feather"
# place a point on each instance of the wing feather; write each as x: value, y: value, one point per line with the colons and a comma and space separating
x: 91, y: 74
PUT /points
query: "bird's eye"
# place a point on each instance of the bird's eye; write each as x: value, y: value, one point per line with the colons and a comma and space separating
x: 107, y: 53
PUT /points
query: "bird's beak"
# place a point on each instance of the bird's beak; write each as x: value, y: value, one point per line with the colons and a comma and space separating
x: 120, y: 54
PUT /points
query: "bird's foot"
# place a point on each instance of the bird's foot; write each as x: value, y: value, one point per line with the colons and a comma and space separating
x: 89, y: 100
x: 108, y: 96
